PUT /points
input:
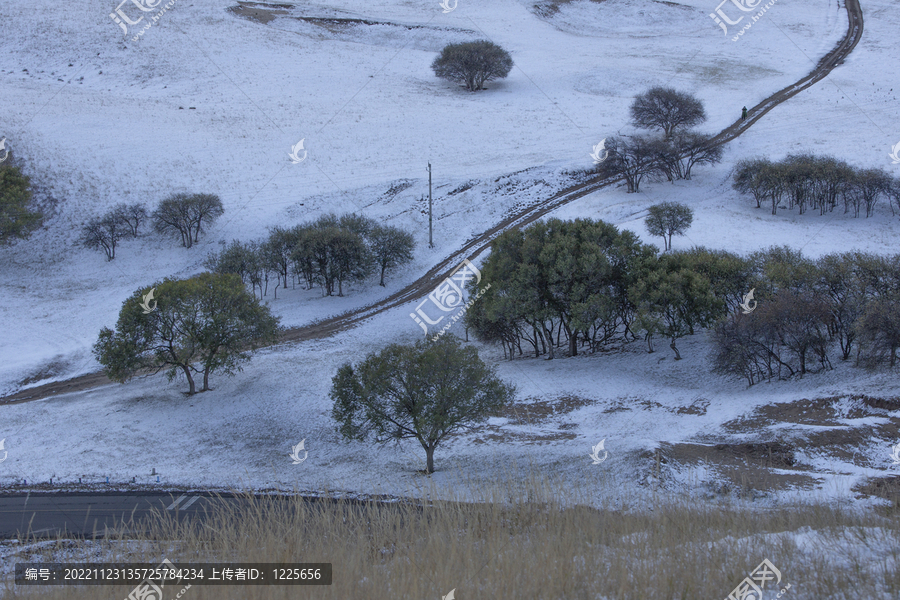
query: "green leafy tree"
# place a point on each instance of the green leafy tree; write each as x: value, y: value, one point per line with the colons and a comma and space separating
x: 391, y: 247
x: 204, y: 324
x: 350, y: 257
x: 277, y: 251
x: 559, y: 279
x: 234, y: 259
x: 472, y: 63
x: 674, y: 303
x: 728, y: 274
x: 667, y: 219
x: 423, y: 392
x: 17, y: 221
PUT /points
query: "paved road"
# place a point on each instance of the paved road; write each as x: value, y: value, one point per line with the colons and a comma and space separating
x: 88, y: 515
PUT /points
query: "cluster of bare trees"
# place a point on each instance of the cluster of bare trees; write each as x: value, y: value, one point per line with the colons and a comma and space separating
x: 811, y: 182
x: 329, y: 252
x: 182, y: 215
x: 846, y: 303
x: 672, y: 154
x: 105, y: 232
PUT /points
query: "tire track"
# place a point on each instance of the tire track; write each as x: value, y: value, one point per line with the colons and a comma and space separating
x: 474, y: 247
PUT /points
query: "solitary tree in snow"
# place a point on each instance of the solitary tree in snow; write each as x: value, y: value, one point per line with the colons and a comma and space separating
x: 472, y: 63
x: 424, y: 392
x: 667, y: 219
x: 666, y: 109
x: 200, y: 325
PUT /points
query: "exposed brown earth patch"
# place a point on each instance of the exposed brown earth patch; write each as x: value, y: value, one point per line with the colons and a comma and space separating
x: 742, y: 468
x: 882, y: 487
x: 540, y: 411
x: 259, y: 12
x: 525, y: 438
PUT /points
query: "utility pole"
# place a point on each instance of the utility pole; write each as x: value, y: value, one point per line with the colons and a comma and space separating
x: 430, y: 240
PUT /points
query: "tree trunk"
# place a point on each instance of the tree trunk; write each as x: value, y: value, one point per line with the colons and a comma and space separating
x: 205, y: 380
x: 382, y: 277
x: 429, y: 458
x: 187, y: 373
x: 675, y: 349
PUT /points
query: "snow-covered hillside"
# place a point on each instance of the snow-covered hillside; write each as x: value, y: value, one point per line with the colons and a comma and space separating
x: 209, y: 101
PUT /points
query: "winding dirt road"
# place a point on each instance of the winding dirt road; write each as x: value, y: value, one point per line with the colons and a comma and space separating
x: 479, y: 244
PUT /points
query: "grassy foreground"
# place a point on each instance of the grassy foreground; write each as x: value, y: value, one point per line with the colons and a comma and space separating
x: 531, y: 540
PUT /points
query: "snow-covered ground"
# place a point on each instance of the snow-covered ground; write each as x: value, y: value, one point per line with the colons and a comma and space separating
x: 206, y: 101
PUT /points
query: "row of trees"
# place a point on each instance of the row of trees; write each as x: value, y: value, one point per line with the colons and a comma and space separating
x: 847, y: 303
x: 181, y: 215
x: 329, y: 252
x: 812, y: 182
x: 583, y: 283
x: 673, y: 152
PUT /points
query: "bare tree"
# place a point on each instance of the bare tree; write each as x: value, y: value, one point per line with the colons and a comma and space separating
x: 798, y: 176
x: 105, y: 233
x: 666, y: 109
x: 695, y: 149
x: 131, y: 215
x: 186, y: 214
x: 879, y: 332
x: 391, y: 247
x: 472, y: 63
x: 633, y: 159
x: 801, y: 323
x: 667, y: 219
x: 203, y: 208
x: 869, y: 185
x: 748, y: 178
x: 894, y: 194
x: 173, y: 216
